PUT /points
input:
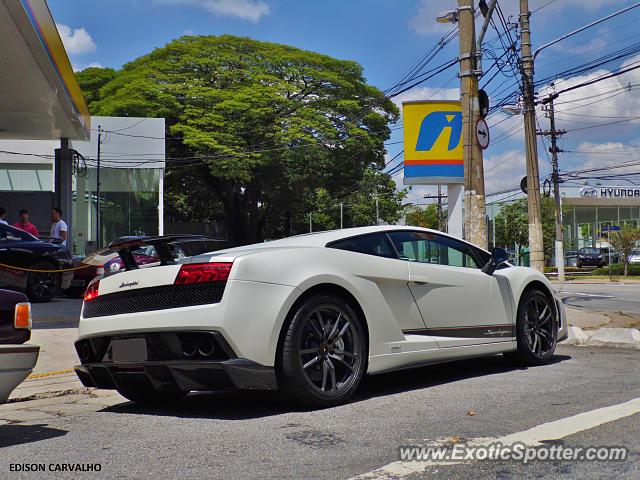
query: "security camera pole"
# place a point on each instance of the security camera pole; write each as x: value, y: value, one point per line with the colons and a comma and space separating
x: 536, y: 246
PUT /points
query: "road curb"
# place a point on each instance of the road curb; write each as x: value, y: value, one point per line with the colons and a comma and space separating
x: 604, y: 337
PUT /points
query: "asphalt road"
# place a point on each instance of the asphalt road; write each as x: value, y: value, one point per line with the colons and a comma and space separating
x: 602, y: 297
x: 61, y: 312
x: 240, y: 435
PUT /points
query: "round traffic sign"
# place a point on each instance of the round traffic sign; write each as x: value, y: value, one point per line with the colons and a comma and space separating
x: 482, y: 133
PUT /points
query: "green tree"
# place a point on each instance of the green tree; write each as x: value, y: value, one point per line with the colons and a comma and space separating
x: 625, y: 241
x: 423, y: 217
x: 259, y: 128
x: 91, y: 80
x: 512, y: 224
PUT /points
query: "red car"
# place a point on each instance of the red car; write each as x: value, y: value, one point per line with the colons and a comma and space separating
x: 143, y: 255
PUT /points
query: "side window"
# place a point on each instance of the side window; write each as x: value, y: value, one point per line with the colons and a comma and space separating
x: 426, y: 247
x: 416, y: 246
x: 372, y: 244
x: 457, y: 254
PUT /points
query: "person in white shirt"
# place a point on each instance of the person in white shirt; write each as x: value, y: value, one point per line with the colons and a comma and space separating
x: 3, y: 215
x: 58, y: 226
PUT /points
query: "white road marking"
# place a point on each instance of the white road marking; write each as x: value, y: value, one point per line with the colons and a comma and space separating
x: 534, y: 436
x: 597, y: 295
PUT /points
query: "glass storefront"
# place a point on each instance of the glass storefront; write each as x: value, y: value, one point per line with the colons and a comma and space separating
x: 129, y: 200
x: 583, y: 224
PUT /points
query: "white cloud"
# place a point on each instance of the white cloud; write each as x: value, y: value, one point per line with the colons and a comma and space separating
x: 78, y: 68
x: 249, y: 10
x: 427, y: 93
x: 504, y: 171
x: 424, y: 22
x: 76, y: 40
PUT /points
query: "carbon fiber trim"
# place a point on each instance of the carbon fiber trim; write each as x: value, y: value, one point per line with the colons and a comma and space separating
x: 150, y: 299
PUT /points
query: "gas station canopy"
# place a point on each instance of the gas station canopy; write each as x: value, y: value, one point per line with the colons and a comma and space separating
x: 39, y: 95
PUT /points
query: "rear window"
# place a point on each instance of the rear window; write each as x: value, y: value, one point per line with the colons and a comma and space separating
x: 376, y: 244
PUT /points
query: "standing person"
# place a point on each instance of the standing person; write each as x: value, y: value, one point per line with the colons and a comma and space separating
x: 25, y: 224
x: 3, y: 215
x: 58, y: 226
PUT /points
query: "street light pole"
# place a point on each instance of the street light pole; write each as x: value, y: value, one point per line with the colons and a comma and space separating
x: 98, y: 230
x: 475, y: 226
x: 536, y: 246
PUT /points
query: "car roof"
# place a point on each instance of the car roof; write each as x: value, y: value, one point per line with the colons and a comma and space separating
x: 321, y: 239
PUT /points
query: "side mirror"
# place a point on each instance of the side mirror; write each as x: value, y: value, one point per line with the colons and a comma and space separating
x: 498, y: 257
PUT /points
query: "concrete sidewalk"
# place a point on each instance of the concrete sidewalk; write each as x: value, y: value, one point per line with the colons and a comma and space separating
x: 54, y: 370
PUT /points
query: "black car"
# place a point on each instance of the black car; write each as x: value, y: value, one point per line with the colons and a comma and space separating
x: 24, y: 261
x: 590, y: 256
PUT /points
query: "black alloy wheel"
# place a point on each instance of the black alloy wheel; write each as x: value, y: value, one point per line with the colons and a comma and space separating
x: 324, y: 352
x: 536, y: 329
x: 42, y: 286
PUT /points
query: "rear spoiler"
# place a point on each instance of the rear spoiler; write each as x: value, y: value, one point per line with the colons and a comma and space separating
x: 123, y: 247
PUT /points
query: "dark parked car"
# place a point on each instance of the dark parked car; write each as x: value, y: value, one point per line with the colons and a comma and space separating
x: 590, y: 256
x: 22, y: 250
x: 142, y: 255
x: 16, y: 359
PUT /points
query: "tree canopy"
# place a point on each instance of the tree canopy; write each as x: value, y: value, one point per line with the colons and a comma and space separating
x: 260, y: 135
x: 512, y: 224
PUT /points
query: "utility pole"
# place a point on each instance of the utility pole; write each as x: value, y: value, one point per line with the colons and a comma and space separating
x: 555, y: 177
x: 377, y: 210
x: 310, y: 224
x: 475, y: 225
x: 98, y: 229
x: 536, y: 247
x: 440, y: 212
x: 341, y: 211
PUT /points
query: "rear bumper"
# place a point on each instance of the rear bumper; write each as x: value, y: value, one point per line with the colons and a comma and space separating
x: 198, y: 375
x: 16, y: 363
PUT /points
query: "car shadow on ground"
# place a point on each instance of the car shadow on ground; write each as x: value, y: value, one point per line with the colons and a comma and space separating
x: 242, y: 405
x: 18, y: 434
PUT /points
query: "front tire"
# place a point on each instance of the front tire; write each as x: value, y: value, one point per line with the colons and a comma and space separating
x: 536, y: 329
x: 324, y: 352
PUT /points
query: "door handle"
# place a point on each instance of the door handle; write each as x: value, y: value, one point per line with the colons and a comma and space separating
x: 419, y: 279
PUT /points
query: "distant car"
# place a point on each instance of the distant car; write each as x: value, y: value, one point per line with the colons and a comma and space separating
x: 590, y: 256
x: 32, y: 258
x: 143, y: 255
x: 17, y: 358
x: 634, y: 257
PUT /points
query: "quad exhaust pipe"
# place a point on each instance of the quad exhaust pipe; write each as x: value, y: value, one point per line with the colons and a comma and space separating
x: 200, y: 345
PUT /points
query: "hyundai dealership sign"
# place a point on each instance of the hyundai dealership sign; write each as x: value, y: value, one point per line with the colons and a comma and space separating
x: 610, y: 192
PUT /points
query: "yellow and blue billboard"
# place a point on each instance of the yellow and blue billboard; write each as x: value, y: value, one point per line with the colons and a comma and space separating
x: 433, y: 152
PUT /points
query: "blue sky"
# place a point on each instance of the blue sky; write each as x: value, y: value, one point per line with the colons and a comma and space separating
x: 387, y: 37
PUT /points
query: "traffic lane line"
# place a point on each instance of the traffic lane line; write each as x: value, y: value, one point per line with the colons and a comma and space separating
x: 535, y: 436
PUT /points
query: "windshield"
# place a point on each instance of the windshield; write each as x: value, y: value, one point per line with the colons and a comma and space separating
x: 589, y: 250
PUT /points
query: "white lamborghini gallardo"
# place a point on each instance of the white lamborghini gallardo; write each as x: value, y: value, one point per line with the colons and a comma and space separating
x: 308, y: 315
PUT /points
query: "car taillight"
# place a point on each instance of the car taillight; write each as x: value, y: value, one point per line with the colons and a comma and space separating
x: 22, y: 315
x: 203, y: 272
x: 92, y: 291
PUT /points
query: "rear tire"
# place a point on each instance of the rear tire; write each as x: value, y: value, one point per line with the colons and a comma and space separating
x: 324, y: 353
x: 42, y: 286
x: 536, y: 329
x: 149, y: 395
